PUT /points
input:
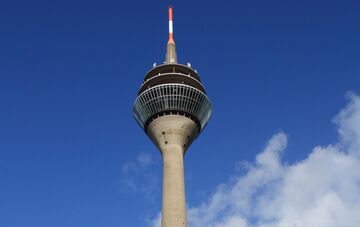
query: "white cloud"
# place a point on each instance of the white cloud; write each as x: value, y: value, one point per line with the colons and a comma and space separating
x: 348, y: 122
x: 322, y: 190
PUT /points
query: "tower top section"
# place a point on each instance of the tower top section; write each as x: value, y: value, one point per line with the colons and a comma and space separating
x: 171, y: 48
x: 172, y: 89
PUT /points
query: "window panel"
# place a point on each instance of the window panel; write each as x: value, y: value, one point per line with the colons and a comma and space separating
x: 175, y: 97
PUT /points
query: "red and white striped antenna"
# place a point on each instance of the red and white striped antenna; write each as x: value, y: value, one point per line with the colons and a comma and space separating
x: 171, y: 49
x: 171, y: 30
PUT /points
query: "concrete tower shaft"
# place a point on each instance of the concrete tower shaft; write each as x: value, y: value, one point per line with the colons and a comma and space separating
x: 172, y: 134
x: 173, y: 109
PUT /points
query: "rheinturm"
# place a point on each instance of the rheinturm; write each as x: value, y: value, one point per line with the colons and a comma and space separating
x: 173, y: 109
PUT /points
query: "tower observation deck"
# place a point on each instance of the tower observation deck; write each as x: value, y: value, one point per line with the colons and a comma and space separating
x: 173, y: 109
x: 172, y: 89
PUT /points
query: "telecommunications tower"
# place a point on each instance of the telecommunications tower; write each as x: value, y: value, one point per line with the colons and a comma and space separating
x: 173, y: 109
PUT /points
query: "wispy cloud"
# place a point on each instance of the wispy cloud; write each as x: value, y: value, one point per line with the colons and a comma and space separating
x: 141, y: 176
x: 322, y: 190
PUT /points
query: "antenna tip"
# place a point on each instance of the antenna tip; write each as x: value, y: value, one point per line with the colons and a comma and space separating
x: 170, y: 13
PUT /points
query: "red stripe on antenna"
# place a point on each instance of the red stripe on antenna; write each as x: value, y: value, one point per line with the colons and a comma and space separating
x: 170, y: 13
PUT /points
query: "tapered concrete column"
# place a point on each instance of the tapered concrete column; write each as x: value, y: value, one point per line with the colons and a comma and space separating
x: 173, y: 195
x: 173, y: 134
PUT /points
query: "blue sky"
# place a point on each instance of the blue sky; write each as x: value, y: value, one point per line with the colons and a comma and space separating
x: 71, y: 153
